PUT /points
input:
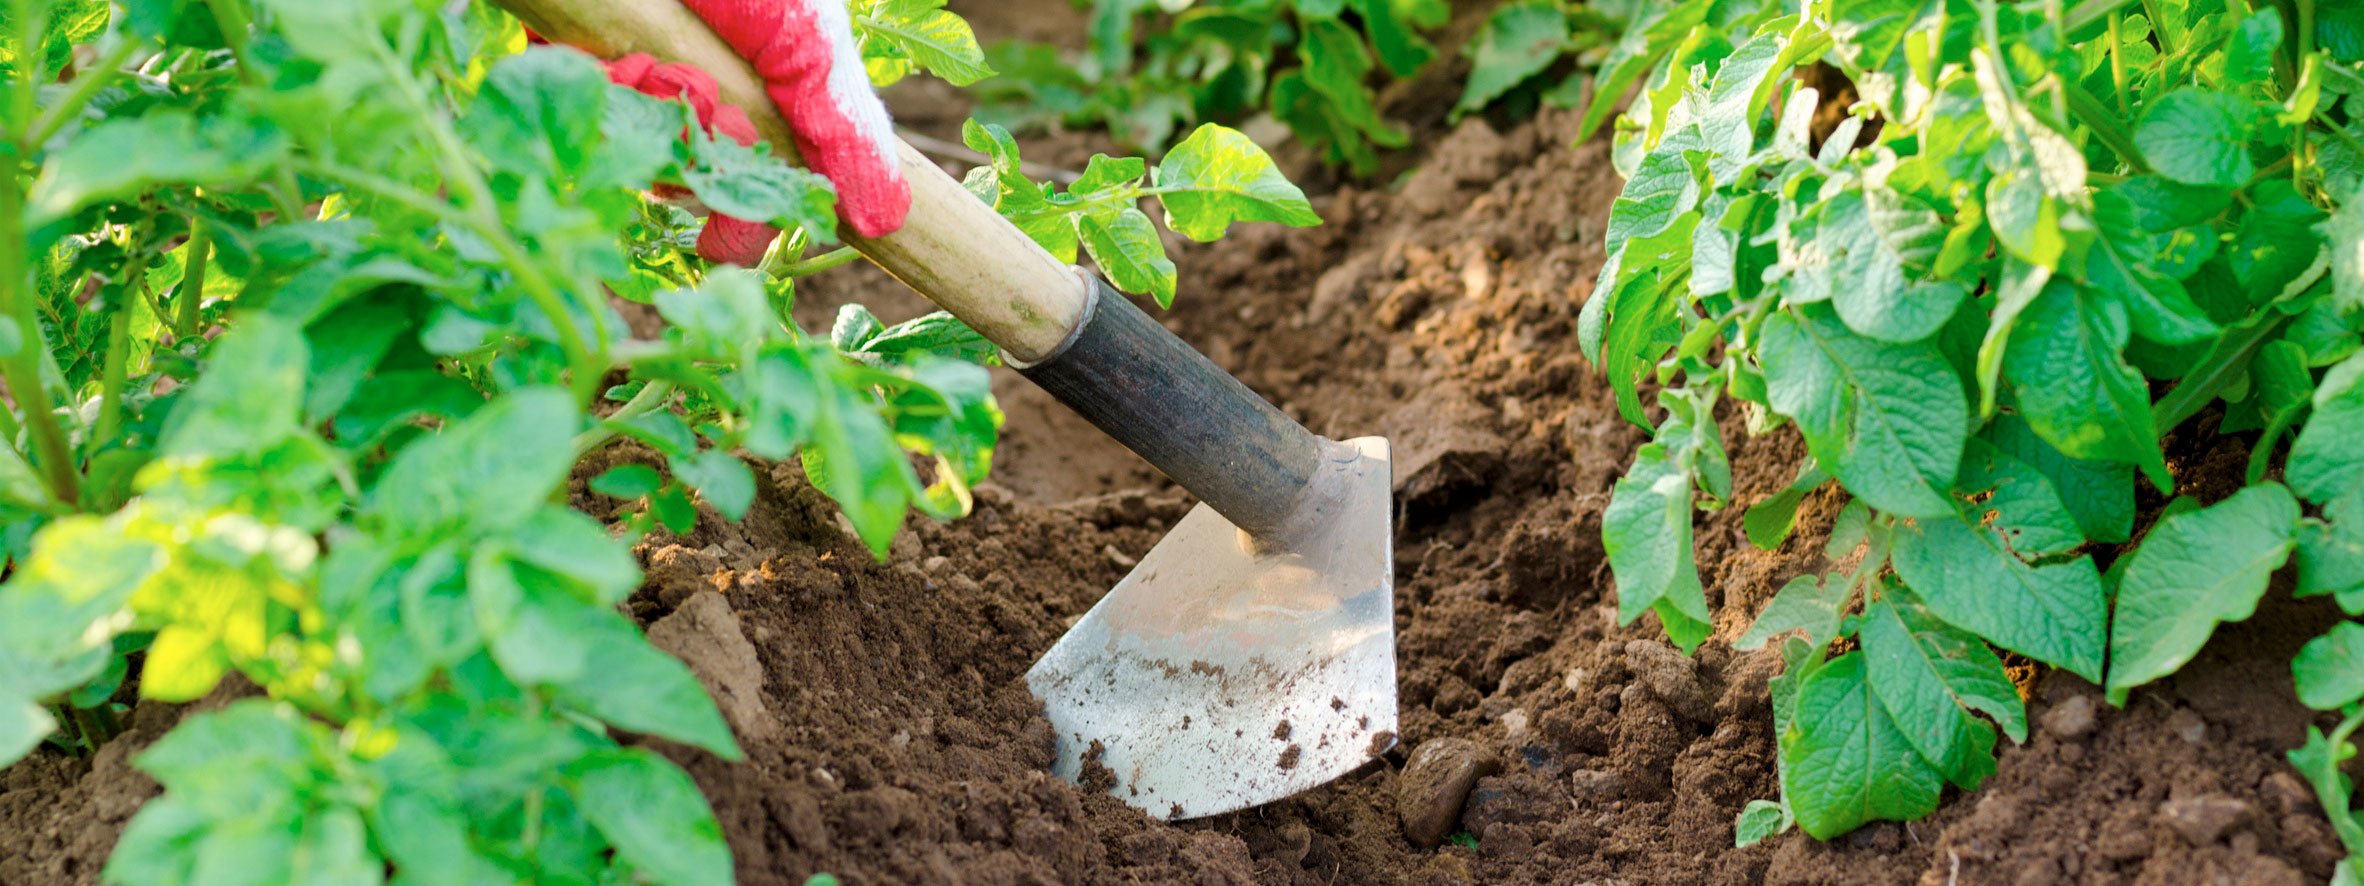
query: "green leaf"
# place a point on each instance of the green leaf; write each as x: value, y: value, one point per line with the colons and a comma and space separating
x: 1929, y: 675
x: 1517, y: 42
x: 1868, y: 282
x: 2075, y: 389
x: 1809, y: 603
x: 2343, y: 235
x: 627, y: 481
x: 2018, y: 501
x: 250, y: 397
x: 1760, y: 819
x: 653, y: 814
x: 2194, y: 570
x: 2331, y: 552
x: 1218, y: 176
x: 1647, y: 532
x: 1888, y: 418
x: 119, y: 159
x: 2198, y: 137
x: 23, y: 724
x: 2330, y: 668
x: 533, y: 630
x: 1104, y: 172
x: 938, y: 41
x: 931, y: 335
x: 750, y: 183
x: 726, y: 313
x: 2056, y: 613
x: 568, y: 544
x: 488, y: 471
x: 2325, y: 461
x: 1768, y: 523
x: 1844, y: 762
x: 2122, y: 267
x: 2099, y: 495
x: 721, y: 478
x: 638, y: 688
x: 1392, y: 26
x: 1125, y: 244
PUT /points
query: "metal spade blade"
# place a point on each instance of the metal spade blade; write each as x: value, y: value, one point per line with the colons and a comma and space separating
x: 1228, y: 671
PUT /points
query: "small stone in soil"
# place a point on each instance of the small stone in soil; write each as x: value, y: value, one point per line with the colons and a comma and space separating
x: 1671, y: 676
x: 2206, y: 818
x: 2188, y: 726
x: 1434, y: 784
x: 1595, y: 785
x: 2071, y: 719
x: 1118, y: 558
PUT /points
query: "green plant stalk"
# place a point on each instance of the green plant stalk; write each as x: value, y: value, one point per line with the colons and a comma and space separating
x: 2105, y: 124
x: 2344, y: 821
x: 2200, y: 387
x: 230, y: 19
x: 2150, y: 11
x: 85, y: 87
x: 22, y: 370
x: 652, y: 396
x: 2306, y: 34
x: 97, y: 725
x: 841, y: 256
x: 118, y: 356
x: 586, y: 363
x: 191, y: 298
x: 2118, y: 76
x: 35, y: 24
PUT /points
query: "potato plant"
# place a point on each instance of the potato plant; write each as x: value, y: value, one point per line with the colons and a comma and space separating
x: 2035, y: 241
x: 308, y: 312
x: 1153, y: 65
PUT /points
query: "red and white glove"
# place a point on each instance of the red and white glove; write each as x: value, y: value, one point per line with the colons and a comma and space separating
x: 804, y: 51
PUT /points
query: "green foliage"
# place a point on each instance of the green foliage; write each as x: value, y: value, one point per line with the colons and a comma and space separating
x: 897, y: 36
x: 2071, y: 232
x: 1209, y: 181
x: 307, y: 318
x: 1151, y: 69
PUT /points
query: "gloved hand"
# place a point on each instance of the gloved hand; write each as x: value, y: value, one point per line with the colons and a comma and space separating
x: 804, y: 51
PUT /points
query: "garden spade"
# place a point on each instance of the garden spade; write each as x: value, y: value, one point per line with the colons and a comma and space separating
x: 1251, y: 654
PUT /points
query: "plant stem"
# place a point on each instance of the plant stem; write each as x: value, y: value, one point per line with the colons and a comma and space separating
x: 111, y: 393
x: 652, y: 397
x: 29, y: 62
x: 191, y: 294
x: 2118, y: 62
x: 230, y: 19
x: 2229, y: 358
x: 2106, y: 126
x: 838, y: 257
x: 2344, y: 821
x: 2150, y: 12
x: 22, y: 370
x: 118, y: 354
x: 586, y: 366
x: 85, y: 86
x: 97, y: 725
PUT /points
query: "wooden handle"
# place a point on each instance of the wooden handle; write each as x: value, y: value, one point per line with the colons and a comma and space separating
x: 953, y: 249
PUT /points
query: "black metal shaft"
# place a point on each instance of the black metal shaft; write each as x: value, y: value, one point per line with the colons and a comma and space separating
x: 1176, y: 409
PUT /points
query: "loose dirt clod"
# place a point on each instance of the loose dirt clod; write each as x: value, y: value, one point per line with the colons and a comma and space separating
x: 1435, y: 782
x: 2206, y: 818
x: 2071, y: 719
x: 705, y: 634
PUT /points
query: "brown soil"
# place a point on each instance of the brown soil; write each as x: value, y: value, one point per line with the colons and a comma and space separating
x: 891, y: 738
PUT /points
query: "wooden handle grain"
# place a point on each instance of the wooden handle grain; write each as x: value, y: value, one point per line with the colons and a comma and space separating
x: 954, y: 249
